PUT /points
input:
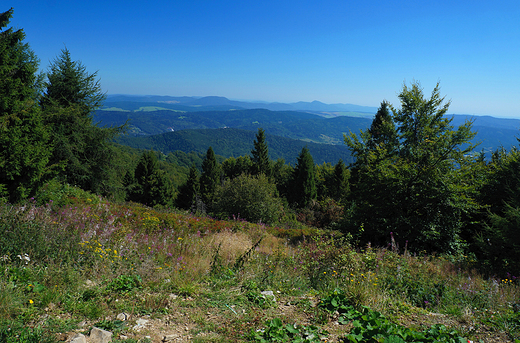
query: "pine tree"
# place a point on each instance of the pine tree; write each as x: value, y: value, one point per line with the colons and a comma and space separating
x: 260, y: 155
x: 24, y: 140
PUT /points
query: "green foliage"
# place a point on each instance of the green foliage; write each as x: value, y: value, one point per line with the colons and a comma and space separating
x: 253, y: 198
x: 148, y: 184
x: 260, y: 155
x: 372, y: 326
x: 125, y: 283
x: 84, y: 149
x: 189, y: 191
x: 497, y: 239
x: 19, y: 333
x: 24, y: 140
x: 24, y: 231
x: 60, y: 195
x: 324, y: 258
x: 114, y: 326
x: 412, y: 175
x: 233, y: 167
x: 276, y: 331
x: 303, y: 184
x: 233, y: 142
x: 210, y: 178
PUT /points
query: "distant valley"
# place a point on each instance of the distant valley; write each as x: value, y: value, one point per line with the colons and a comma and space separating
x: 193, y: 124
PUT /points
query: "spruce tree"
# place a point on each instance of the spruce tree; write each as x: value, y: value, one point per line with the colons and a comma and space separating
x: 210, y: 178
x: 151, y: 186
x: 85, y: 150
x: 188, y: 192
x: 24, y: 140
x: 260, y: 155
x: 304, y: 179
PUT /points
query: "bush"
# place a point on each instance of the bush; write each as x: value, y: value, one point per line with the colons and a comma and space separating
x: 253, y: 198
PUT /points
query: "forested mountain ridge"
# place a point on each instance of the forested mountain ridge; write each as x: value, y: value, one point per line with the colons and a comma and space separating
x: 492, y: 133
x: 235, y: 143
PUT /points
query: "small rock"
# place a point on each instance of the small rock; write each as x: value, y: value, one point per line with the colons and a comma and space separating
x: 140, y: 323
x: 268, y: 294
x: 122, y: 316
x: 78, y: 338
x: 98, y: 335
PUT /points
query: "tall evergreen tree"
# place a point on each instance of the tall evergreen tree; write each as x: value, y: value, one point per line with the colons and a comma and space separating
x: 260, y: 155
x: 24, y: 149
x: 86, y: 150
x: 152, y: 187
x: 210, y: 177
x: 188, y: 192
x: 304, y: 179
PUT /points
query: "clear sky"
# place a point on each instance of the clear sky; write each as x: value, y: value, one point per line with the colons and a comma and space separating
x: 334, y: 51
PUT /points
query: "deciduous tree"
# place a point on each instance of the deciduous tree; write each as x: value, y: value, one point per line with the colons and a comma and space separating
x: 413, y: 181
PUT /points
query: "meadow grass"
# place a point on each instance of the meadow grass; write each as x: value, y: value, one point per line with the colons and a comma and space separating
x: 67, y: 267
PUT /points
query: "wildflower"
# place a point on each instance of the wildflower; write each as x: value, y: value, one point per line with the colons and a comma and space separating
x: 31, y: 301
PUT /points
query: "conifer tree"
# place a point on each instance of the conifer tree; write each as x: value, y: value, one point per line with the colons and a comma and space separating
x: 152, y: 187
x: 188, y: 192
x: 210, y: 177
x: 24, y: 140
x: 304, y: 179
x: 260, y: 155
x: 85, y: 150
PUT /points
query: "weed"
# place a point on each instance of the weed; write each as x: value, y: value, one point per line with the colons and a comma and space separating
x: 125, y: 283
x: 276, y: 331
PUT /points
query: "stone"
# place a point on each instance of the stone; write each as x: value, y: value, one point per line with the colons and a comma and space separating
x: 170, y: 338
x: 78, y: 338
x: 122, y: 316
x: 98, y: 335
x: 268, y: 295
x: 140, y: 323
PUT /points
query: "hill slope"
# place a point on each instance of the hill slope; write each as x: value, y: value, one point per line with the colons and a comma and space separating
x: 234, y: 143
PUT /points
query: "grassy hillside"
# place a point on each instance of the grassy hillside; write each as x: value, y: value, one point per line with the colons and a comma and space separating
x: 145, y: 275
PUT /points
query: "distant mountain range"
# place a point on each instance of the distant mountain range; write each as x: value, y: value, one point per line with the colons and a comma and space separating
x: 208, y: 103
x: 318, y: 125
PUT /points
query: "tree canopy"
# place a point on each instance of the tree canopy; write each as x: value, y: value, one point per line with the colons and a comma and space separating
x: 410, y: 174
x: 24, y: 139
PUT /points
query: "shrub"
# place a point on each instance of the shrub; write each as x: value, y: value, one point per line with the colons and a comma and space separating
x: 253, y: 198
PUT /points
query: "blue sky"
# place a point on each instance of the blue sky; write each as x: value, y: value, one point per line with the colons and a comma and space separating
x: 333, y: 51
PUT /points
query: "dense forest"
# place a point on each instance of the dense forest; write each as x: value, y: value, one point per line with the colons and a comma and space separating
x: 415, y: 180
